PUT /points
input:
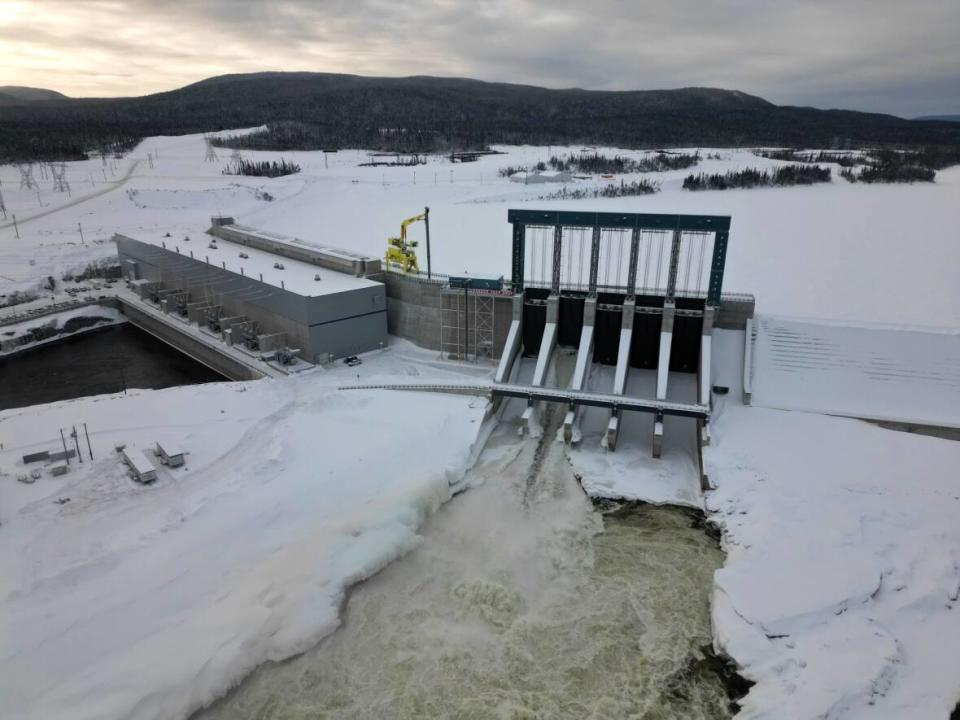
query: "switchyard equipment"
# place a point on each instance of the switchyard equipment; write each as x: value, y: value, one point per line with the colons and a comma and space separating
x: 286, y: 356
x: 212, y: 319
x: 249, y: 333
x: 181, y: 302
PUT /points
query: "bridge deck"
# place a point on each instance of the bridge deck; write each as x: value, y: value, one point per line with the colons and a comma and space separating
x: 556, y: 395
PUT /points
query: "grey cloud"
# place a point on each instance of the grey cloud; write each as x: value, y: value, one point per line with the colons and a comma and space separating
x: 877, y: 55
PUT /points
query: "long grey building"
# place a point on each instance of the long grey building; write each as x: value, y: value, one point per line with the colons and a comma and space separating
x: 293, y: 299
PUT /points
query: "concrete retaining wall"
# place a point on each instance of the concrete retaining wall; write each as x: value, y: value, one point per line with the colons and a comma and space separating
x: 415, y: 312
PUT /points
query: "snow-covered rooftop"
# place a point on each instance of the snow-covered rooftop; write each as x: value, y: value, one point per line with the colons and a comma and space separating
x: 296, y: 275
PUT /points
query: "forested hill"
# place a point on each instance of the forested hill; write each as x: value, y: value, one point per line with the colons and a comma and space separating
x: 427, y: 113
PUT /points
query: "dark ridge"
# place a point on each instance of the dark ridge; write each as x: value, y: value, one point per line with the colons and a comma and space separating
x: 17, y: 94
x: 423, y: 114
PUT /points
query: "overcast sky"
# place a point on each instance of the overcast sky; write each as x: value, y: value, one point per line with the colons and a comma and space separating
x: 901, y: 57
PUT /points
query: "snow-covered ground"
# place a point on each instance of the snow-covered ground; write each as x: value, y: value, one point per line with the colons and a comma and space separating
x: 149, y: 601
x: 840, y: 250
x: 879, y: 372
x: 839, y: 594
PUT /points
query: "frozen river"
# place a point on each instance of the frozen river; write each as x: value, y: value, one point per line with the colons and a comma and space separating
x: 523, y: 601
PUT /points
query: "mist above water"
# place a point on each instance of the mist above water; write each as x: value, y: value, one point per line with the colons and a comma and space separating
x: 523, y: 603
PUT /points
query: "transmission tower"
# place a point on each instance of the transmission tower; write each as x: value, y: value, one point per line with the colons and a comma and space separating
x: 211, y: 155
x: 26, y: 177
x: 235, y: 156
x: 59, y: 172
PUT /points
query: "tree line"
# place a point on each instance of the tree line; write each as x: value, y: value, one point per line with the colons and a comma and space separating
x: 612, y: 190
x: 598, y: 164
x: 753, y: 177
x: 262, y: 168
x: 887, y: 166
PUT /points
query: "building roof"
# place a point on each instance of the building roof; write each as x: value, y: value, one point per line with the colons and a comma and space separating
x: 296, y: 276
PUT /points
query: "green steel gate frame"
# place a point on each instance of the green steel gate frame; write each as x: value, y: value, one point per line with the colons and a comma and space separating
x: 637, y: 222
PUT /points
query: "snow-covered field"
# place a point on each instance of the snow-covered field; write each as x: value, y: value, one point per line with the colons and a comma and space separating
x: 840, y: 590
x: 839, y: 251
x: 131, y: 601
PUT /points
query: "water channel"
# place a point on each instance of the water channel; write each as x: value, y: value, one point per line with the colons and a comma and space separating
x: 105, y: 360
x: 524, y: 602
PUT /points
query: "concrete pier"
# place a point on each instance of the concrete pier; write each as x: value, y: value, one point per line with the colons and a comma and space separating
x: 663, y: 369
x: 666, y: 345
x: 620, y: 375
x: 703, y: 370
x: 511, y: 347
x: 531, y: 416
x: 582, y: 369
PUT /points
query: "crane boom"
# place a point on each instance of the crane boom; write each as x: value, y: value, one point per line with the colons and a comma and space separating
x: 409, y: 221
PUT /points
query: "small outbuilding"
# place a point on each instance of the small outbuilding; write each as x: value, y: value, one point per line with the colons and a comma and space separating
x: 170, y: 455
x: 140, y: 465
x: 541, y: 176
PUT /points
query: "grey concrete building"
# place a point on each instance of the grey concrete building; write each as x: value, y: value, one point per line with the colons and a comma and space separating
x: 284, y: 301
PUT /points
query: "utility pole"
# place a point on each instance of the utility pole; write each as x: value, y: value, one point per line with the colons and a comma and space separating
x: 15, y: 228
x: 426, y: 222
x: 66, y: 455
x: 76, y: 442
x: 82, y: 241
x: 89, y: 447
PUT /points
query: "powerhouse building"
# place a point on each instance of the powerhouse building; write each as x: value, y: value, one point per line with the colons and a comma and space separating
x: 323, y: 301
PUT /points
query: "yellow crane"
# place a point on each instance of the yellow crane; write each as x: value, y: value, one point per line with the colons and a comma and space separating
x: 401, y: 252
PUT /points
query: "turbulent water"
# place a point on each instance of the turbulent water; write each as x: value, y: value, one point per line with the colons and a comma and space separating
x: 523, y: 603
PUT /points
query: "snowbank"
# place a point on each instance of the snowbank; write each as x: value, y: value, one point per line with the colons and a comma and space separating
x: 631, y: 473
x: 839, y: 594
x: 150, y: 601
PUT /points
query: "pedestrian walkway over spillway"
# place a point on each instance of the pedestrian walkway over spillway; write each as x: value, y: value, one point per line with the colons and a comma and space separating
x: 564, y: 396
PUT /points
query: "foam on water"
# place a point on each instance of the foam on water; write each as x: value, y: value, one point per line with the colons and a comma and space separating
x: 523, y: 603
